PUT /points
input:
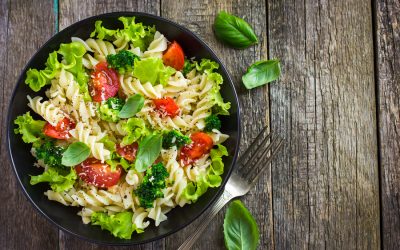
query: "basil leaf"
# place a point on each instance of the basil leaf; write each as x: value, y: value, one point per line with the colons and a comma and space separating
x: 234, y: 31
x: 76, y: 153
x: 132, y: 106
x: 148, y: 151
x: 240, y: 228
x: 261, y: 72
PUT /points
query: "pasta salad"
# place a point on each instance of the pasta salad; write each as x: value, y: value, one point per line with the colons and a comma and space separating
x: 128, y: 128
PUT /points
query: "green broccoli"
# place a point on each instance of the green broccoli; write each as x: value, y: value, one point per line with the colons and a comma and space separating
x: 152, y: 185
x: 174, y: 138
x: 50, y: 154
x: 109, y: 109
x: 122, y: 61
x: 212, y: 122
x: 187, y: 67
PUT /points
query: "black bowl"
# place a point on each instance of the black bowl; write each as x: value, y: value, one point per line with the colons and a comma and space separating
x: 65, y: 217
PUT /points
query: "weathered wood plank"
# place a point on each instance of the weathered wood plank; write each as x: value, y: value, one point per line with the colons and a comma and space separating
x: 325, y: 183
x: 21, y: 226
x: 72, y: 11
x: 199, y: 17
x: 388, y: 82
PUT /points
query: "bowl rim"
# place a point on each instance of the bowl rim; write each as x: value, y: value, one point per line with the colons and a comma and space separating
x: 9, y: 127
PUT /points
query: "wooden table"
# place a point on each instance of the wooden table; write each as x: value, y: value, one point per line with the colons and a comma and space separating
x: 336, y: 185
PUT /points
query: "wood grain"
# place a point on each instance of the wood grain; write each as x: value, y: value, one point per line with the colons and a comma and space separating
x: 388, y: 82
x: 325, y: 184
x: 71, y: 11
x: 199, y: 17
x: 21, y: 226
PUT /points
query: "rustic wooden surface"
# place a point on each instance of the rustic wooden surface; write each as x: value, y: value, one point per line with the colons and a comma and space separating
x: 388, y: 86
x: 339, y: 115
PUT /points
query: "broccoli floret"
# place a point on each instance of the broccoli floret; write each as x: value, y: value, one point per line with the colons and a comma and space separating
x: 173, y: 138
x: 187, y: 67
x: 212, y: 122
x: 152, y: 185
x: 50, y: 154
x: 122, y: 61
x: 109, y: 109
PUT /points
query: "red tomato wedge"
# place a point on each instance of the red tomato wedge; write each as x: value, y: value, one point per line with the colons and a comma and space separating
x: 61, y: 130
x: 128, y: 152
x: 104, y: 82
x: 174, y: 56
x: 167, y: 106
x: 201, y: 144
x: 93, y: 172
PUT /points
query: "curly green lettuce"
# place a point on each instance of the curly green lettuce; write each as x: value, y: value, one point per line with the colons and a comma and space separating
x: 119, y: 224
x: 101, y: 32
x: 30, y: 129
x: 152, y: 70
x: 211, y: 178
x: 36, y: 79
x: 72, y: 54
x: 136, y: 33
x: 59, y: 181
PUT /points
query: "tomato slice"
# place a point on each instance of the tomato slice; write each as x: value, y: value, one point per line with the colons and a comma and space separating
x: 93, y: 172
x: 128, y: 152
x: 104, y: 83
x: 174, y: 56
x: 201, y: 144
x: 167, y: 106
x: 61, y: 130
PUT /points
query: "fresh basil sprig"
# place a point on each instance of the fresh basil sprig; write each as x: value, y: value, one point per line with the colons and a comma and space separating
x: 148, y: 151
x: 261, y: 72
x: 132, y: 106
x: 240, y: 228
x: 234, y: 31
x: 76, y: 153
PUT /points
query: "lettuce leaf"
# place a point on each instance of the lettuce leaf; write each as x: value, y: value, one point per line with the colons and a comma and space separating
x: 72, y: 54
x: 120, y: 224
x: 211, y: 178
x: 220, y: 107
x: 135, y: 129
x: 101, y: 32
x: 136, y: 33
x: 152, y: 70
x: 30, y: 129
x: 35, y: 79
x: 217, y: 166
x: 58, y: 181
x: 206, y: 66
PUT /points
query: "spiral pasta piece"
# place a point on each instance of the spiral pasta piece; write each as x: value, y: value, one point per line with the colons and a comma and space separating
x: 86, y: 136
x: 131, y: 86
x: 46, y: 109
x: 76, y: 106
x: 157, y: 46
x: 176, y: 175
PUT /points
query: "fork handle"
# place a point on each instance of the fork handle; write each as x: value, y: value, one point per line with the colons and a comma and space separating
x: 208, y: 216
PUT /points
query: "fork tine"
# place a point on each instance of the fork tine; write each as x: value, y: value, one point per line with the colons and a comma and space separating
x: 256, y: 161
x: 268, y: 161
x: 250, y: 153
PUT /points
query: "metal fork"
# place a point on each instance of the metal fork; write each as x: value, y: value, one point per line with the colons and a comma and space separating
x: 246, y: 174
